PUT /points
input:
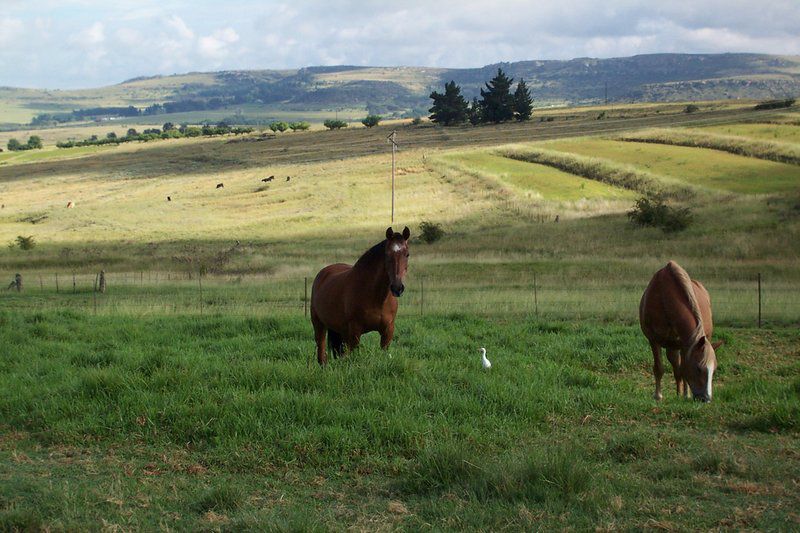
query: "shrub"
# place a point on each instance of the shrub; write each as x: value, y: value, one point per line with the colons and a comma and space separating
x: 279, y: 126
x: 775, y: 104
x: 654, y: 212
x: 334, y: 124
x: 416, y: 121
x: 25, y: 243
x: 14, y: 145
x: 371, y: 120
x: 302, y: 126
x: 691, y: 108
x: 34, y: 142
x: 430, y: 232
x: 601, y: 116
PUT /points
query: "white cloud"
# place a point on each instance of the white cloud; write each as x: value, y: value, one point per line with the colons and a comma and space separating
x: 10, y: 29
x: 181, y: 29
x: 167, y: 36
x: 217, y: 45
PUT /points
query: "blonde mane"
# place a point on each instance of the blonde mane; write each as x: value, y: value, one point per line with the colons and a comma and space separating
x: 683, y: 279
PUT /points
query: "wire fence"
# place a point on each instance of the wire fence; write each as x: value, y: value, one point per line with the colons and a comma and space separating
x: 754, y: 302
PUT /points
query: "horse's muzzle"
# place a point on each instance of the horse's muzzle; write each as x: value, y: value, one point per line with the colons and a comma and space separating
x: 702, y: 398
x: 397, y: 291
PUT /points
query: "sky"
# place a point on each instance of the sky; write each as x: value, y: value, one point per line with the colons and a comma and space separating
x: 84, y: 43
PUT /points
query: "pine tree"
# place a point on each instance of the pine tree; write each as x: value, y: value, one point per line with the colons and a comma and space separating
x: 523, y: 103
x: 474, y: 113
x: 448, y: 108
x: 497, y: 103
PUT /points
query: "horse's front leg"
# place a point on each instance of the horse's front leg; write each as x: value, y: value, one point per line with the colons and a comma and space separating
x: 658, y: 370
x: 387, y: 334
x: 353, y: 337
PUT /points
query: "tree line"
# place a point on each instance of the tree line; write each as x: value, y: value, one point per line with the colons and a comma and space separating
x: 497, y: 103
x: 91, y: 113
x: 167, y: 131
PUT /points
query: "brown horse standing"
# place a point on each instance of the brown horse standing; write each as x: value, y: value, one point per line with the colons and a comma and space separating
x: 348, y: 301
x: 675, y: 313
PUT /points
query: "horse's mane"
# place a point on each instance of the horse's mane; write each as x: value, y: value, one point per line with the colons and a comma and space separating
x: 371, y: 255
x: 685, y: 282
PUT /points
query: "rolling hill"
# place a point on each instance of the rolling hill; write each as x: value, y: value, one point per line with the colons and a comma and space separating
x: 260, y: 95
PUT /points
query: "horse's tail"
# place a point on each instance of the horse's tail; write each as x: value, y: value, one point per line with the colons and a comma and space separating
x: 685, y: 282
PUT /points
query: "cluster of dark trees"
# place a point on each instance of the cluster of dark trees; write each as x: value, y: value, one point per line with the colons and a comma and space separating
x: 497, y: 103
x: 34, y: 143
x: 92, y: 113
x: 168, y: 131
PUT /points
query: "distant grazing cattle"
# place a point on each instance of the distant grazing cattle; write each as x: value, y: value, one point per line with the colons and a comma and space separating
x: 556, y: 218
x: 288, y: 178
x: 220, y: 185
x: 268, y: 179
x: 169, y: 198
x: 70, y: 205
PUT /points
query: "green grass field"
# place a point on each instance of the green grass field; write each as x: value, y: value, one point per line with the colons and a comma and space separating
x: 543, y: 182
x: 703, y: 167
x: 770, y: 132
x: 217, y: 422
x: 187, y: 402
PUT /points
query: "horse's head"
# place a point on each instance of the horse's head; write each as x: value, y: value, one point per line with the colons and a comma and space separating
x: 397, y: 259
x: 699, y: 366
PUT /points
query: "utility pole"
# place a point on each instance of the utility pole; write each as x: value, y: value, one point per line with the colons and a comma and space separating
x: 606, y: 93
x: 392, y: 138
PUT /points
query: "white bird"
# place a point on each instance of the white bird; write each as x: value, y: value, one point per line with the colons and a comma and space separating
x: 486, y: 363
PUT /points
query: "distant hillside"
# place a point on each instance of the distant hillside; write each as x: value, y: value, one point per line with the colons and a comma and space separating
x: 398, y: 91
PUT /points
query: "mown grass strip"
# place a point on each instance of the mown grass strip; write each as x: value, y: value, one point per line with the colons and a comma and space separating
x: 779, y: 152
x: 599, y: 169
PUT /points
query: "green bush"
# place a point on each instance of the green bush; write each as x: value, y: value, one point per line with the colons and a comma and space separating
x: 430, y: 232
x: 279, y: 126
x: 301, y: 126
x: 654, y: 212
x: 25, y: 243
x: 371, y: 120
x: 416, y: 121
x: 691, y: 108
x: 334, y: 124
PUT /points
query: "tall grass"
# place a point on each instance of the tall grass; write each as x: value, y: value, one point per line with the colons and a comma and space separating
x: 217, y: 422
x: 780, y: 152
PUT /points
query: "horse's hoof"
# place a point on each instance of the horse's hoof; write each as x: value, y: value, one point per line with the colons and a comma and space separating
x: 658, y: 396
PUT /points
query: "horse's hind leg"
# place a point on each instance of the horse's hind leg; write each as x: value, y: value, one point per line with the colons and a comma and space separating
x: 658, y: 370
x: 319, y: 337
x: 335, y: 343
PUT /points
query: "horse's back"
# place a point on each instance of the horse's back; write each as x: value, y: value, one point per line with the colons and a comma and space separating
x: 664, y: 307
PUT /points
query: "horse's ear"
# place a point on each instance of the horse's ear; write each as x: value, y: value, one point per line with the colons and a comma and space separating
x: 406, y: 233
x: 389, y: 232
x: 717, y: 344
x: 701, y: 342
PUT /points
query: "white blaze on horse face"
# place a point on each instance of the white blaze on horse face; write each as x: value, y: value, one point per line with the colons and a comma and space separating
x: 710, y: 378
x: 396, y: 247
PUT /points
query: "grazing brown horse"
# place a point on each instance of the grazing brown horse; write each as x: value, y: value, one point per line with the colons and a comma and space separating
x: 675, y: 313
x: 348, y: 301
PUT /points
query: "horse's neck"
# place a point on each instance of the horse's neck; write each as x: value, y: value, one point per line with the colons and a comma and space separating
x: 371, y: 271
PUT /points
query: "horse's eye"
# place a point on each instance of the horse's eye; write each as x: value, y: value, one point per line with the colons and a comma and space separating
x: 408, y: 255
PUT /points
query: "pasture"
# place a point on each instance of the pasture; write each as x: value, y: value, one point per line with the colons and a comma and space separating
x: 185, y: 391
